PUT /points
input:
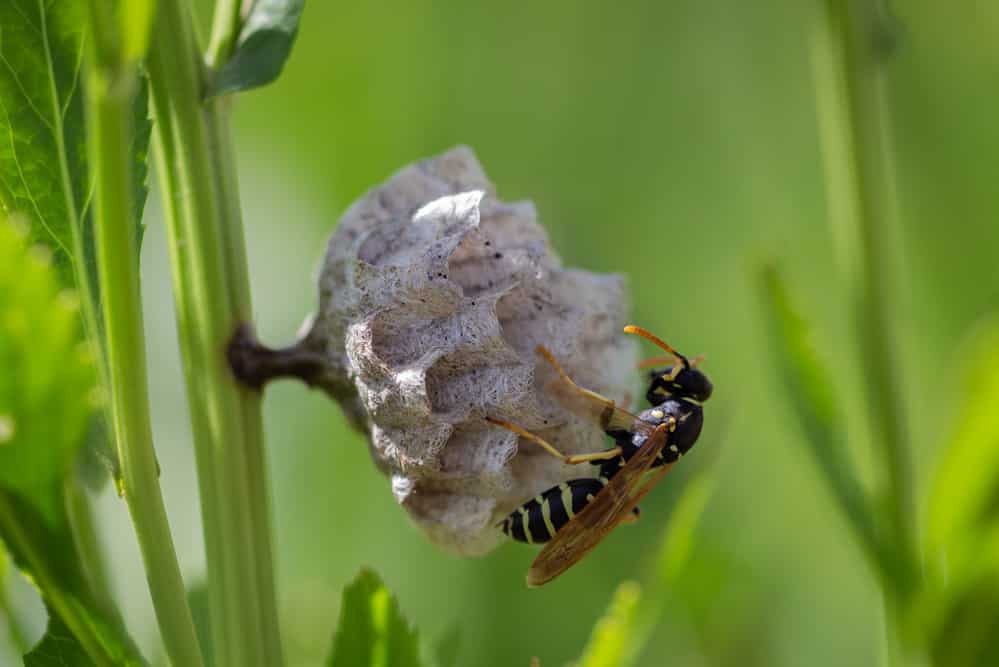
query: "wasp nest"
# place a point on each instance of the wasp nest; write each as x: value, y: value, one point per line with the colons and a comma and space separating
x: 433, y: 297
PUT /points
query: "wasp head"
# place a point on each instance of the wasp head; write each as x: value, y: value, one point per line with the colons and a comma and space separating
x: 679, y: 381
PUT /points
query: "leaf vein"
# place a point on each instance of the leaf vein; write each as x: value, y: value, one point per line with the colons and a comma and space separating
x: 64, y: 108
x: 27, y: 188
x: 27, y: 19
x: 24, y: 92
x: 67, y: 184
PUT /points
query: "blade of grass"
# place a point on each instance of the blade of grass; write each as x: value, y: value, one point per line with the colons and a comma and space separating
x: 811, y: 393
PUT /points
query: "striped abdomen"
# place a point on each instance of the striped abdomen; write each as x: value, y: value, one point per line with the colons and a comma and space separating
x: 542, y: 516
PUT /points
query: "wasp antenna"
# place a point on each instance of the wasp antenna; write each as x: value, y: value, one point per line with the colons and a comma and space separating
x: 647, y: 335
x: 655, y: 362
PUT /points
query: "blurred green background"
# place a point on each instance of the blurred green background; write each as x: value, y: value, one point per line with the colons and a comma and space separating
x: 674, y: 142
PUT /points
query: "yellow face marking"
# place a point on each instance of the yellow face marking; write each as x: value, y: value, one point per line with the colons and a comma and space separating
x: 658, y: 414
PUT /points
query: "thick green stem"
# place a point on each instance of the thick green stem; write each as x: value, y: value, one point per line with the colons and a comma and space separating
x: 109, y: 95
x: 212, y: 298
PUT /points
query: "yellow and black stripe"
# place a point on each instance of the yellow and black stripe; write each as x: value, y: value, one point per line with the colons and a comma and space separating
x: 542, y: 516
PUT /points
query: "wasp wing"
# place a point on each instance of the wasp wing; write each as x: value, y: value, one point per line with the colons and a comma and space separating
x: 612, y: 504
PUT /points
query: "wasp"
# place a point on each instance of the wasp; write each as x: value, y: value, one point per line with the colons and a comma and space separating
x: 575, y: 516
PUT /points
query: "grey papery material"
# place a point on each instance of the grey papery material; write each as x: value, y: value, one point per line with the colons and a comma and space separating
x: 433, y: 297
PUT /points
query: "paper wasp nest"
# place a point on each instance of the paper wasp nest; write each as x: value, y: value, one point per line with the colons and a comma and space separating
x: 433, y: 297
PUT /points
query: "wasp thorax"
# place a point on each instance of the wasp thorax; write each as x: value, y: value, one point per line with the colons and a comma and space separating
x: 433, y: 297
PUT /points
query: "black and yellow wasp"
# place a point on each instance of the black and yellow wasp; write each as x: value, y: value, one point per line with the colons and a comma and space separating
x: 574, y: 516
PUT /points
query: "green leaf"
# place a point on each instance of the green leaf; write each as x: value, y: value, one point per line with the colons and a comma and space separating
x: 57, y: 648
x: 372, y: 631
x: 968, y: 635
x: 48, y: 558
x: 811, y: 392
x: 136, y: 19
x: 43, y: 158
x: 48, y: 378
x: 964, y: 501
x: 45, y: 410
x: 448, y: 647
x: 808, y: 383
x: 962, y: 597
x: 611, y: 643
x: 197, y: 600
x: 4, y: 569
x: 680, y: 537
x: 263, y: 47
x: 60, y: 648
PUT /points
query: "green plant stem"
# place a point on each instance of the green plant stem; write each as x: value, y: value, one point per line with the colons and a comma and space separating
x: 76, y: 500
x: 235, y: 250
x: 226, y: 25
x: 861, y: 192
x: 212, y: 298
x: 849, y: 49
x: 110, y: 92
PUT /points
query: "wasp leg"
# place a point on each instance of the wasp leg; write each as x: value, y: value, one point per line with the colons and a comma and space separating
x: 614, y: 452
x: 635, y: 515
x: 550, y: 358
x: 550, y: 448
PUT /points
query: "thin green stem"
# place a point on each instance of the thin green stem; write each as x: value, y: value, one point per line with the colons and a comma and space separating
x: 850, y: 44
x: 109, y: 104
x: 861, y: 193
x: 226, y: 25
x: 212, y: 293
x: 79, y: 503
